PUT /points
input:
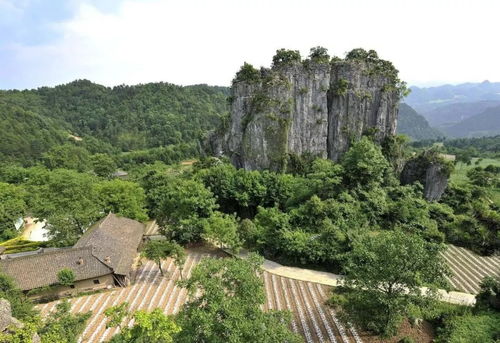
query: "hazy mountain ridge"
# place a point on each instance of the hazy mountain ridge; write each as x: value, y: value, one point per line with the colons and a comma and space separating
x: 486, y: 123
x: 450, y: 114
x: 429, y: 98
x: 414, y: 125
x: 459, y: 110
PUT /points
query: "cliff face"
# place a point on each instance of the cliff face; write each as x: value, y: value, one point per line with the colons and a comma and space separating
x: 311, y: 107
x: 369, y: 102
x: 431, y: 170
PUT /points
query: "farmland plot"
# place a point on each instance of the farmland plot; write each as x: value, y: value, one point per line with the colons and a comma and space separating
x: 469, y: 269
x: 315, y: 321
x: 311, y: 317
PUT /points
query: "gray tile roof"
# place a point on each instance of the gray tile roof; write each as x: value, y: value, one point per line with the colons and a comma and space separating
x: 41, y: 269
x: 115, y: 241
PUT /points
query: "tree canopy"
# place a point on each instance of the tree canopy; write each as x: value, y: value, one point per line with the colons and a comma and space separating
x: 386, y: 273
x: 228, y: 305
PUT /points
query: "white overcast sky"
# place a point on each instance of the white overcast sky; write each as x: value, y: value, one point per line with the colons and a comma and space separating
x: 193, y: 41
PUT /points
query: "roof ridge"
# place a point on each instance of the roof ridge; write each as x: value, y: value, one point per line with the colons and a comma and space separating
x: 98, y: 259
x: 52, y: 252
x: 105, y: 218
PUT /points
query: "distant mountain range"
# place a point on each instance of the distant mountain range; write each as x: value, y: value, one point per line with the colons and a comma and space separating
x: 486, y: 123
x: 427, y: 99
x: 465, y: 110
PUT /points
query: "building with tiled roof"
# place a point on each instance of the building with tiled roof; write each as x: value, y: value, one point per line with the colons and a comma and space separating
x: 102, y: 257
x: 115, y: 241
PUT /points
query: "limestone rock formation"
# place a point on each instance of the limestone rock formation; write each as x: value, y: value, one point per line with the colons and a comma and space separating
x: 316, y: 107
x: 431, y: 170
x: 7, y: 321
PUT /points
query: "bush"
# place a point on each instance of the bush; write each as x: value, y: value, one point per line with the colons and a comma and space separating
x: 482, y: 328
x: 319, y: 54
x: 340, y: 87
x: 285, y: 57
x: 247, y: 73
x: 406, y: 339
x: 66, y: 277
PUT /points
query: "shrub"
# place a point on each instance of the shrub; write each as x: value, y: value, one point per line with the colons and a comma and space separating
x: 66, y: 277
x: 319, y: 54
x: 247, y: 73
x: 340, y: 87
x: 285, y: 57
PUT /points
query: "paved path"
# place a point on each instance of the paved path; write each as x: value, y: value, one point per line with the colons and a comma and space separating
x: 331, y: 279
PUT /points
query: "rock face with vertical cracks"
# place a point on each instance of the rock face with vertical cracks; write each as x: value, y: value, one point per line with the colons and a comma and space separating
x: 431, y: 170
x: 307, y: 108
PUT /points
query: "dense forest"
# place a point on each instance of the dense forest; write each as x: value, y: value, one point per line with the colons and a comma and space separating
x: 158, y: 121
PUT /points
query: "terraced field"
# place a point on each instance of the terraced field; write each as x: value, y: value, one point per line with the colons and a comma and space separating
x: 312, y: 319
x: 315, y: 321
x: 469, y: 269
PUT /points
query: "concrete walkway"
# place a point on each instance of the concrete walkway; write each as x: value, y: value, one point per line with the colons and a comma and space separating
x: 331, y: 279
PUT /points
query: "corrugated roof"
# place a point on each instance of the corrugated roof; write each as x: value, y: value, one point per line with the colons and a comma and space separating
x: 41, y: 269
x: 115, y: 241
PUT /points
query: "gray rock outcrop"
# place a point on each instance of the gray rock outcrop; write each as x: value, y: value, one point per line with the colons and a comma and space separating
x: 308, y: 107
x: 7, y: 322
x: 431, y: 171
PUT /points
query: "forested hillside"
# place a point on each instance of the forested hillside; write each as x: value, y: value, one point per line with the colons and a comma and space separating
x: 414, y: 125
x: 112, y: 120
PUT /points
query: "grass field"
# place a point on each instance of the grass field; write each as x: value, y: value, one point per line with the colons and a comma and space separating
x: 459, y: 174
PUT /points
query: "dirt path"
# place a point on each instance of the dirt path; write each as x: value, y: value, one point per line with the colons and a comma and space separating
x: 331, y: 279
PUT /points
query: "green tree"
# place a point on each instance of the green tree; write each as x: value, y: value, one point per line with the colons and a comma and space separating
x: 489, y: 296
x: 103, y: 165
x: 66, y: 277
x: 63, y: 326
x: 465, y: 156
x: 22, y: 308
x: 408, y: 210
x: 179, y: 255
x: 319, y: 54
x: 364, y: 164
x: 124, y: 198
x: 12, y: 207
x: 285, y: 57
x: 67, y: 156
x: 325, y: 178
x: 385, y: 273
x: 178, y: 207
x: 222, y: 229
x: 241, y: 191
x: 149, y: 327
x: 228, y: 306
x: 247, y: 73
x: 22, y: 334
x: 116, y: 314
x: 163, y: 249
x: 483, y: 178
x: 67, y: 200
